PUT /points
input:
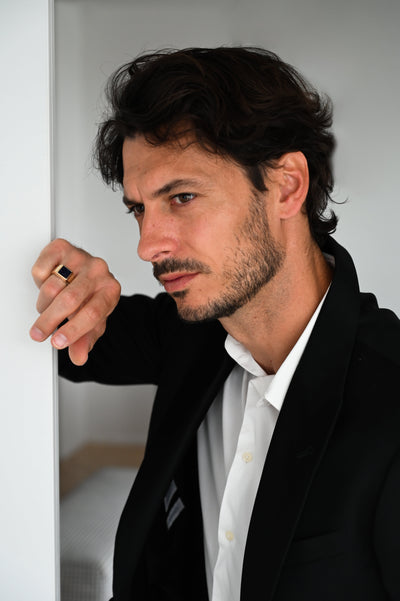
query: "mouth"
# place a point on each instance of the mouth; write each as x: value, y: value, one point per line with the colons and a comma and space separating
x: 174, y: 282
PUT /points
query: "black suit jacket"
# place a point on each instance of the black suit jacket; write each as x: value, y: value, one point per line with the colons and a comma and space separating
x: 326, y: 521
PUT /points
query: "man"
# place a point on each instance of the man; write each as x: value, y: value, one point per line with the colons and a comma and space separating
x: 272, y: 464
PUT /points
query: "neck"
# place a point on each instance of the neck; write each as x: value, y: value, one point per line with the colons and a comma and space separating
x: 271, y: 323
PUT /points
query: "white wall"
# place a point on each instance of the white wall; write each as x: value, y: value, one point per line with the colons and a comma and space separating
x: 349, y: 48
x: 28, y: 508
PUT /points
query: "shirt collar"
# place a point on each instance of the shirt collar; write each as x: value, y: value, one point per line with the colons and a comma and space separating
x: 275, y: 386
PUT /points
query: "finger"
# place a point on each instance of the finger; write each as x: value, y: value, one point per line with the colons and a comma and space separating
x: 66, y: 303
x: 48, y: 292
x: 79, y: 350
x: 91, y: 317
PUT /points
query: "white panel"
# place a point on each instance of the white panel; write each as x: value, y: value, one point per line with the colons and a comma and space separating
x: 28, y: 514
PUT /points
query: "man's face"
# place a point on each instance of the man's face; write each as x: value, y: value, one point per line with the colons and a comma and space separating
x: 201, y: 225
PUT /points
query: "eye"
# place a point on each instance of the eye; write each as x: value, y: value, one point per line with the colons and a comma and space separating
x: 136, y: 209
x: 184, y: 198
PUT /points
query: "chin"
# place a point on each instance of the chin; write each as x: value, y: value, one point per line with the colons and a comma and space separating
x: 209, y: 311
x: 191, y: 313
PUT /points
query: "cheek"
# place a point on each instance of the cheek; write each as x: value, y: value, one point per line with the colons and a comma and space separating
x: 212, y: 233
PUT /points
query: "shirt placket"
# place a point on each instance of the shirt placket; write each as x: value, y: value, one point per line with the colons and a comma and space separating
x: 240, y: 491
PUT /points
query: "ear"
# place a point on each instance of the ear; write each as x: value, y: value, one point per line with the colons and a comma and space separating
x: 293, y: 181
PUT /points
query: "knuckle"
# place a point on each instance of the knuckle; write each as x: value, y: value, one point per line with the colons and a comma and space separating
x: 70, y: 298
x: 67, y: 252
x: 110, y: 296
x: 39, y: 273
x: 97, y: 333
x: 115, y: 288
x: 64, y: 244
x: 101, y: 329
x: 101, y: 263
x: 49, y: 290
x: 100, y: 266
x: 59, y: 245
x: 104, y: 278
x: 52, y: 287
x: 93, y: 313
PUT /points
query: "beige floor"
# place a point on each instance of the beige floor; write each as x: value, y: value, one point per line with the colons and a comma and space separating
x: 91, y: 457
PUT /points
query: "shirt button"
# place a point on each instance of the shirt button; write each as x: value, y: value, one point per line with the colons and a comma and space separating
x: 247, y: 457
x: 229, y: 535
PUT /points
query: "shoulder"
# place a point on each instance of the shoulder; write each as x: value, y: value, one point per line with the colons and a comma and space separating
x: 379, y: 330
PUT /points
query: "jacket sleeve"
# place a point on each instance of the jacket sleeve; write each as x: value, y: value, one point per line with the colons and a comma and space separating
x: 131, y: 349
x: 387, y: 530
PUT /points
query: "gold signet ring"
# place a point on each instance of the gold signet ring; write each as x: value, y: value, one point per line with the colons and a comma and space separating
x: 63, y: 273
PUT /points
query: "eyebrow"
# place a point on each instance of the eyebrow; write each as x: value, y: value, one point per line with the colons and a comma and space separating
x: 172, y: 185
x: 129, y: 203
x: 166, y: 189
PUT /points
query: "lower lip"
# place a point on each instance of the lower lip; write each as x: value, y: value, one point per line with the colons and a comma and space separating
x: 178, y: 283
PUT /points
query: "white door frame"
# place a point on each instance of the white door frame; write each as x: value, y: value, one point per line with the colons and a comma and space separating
x: 29, y: 556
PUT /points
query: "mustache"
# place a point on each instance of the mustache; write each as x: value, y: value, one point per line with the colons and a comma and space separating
x: 172, y: 264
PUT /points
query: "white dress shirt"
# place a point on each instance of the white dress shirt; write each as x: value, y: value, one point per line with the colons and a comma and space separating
x: 233, y: 442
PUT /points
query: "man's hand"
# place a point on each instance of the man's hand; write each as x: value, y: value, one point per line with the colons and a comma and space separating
x: 86, y: 302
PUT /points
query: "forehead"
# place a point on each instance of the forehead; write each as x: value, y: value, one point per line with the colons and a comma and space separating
x: 141, y: 154
x: 150, y: 165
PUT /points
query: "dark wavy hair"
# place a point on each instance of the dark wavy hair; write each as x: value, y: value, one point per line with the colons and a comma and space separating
x: 243, y: 103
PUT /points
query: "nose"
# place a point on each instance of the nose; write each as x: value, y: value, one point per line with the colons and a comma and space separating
x: 158, y: 237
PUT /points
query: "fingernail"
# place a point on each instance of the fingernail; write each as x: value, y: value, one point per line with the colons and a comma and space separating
x: 59, y: 341
x: 36, y: 334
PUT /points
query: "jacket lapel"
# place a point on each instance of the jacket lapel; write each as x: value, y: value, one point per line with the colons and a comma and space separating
x: 304, y: 426
x: 180, y: 408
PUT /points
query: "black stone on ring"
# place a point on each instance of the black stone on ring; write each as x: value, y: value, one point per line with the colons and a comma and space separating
x: 63, y: 273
